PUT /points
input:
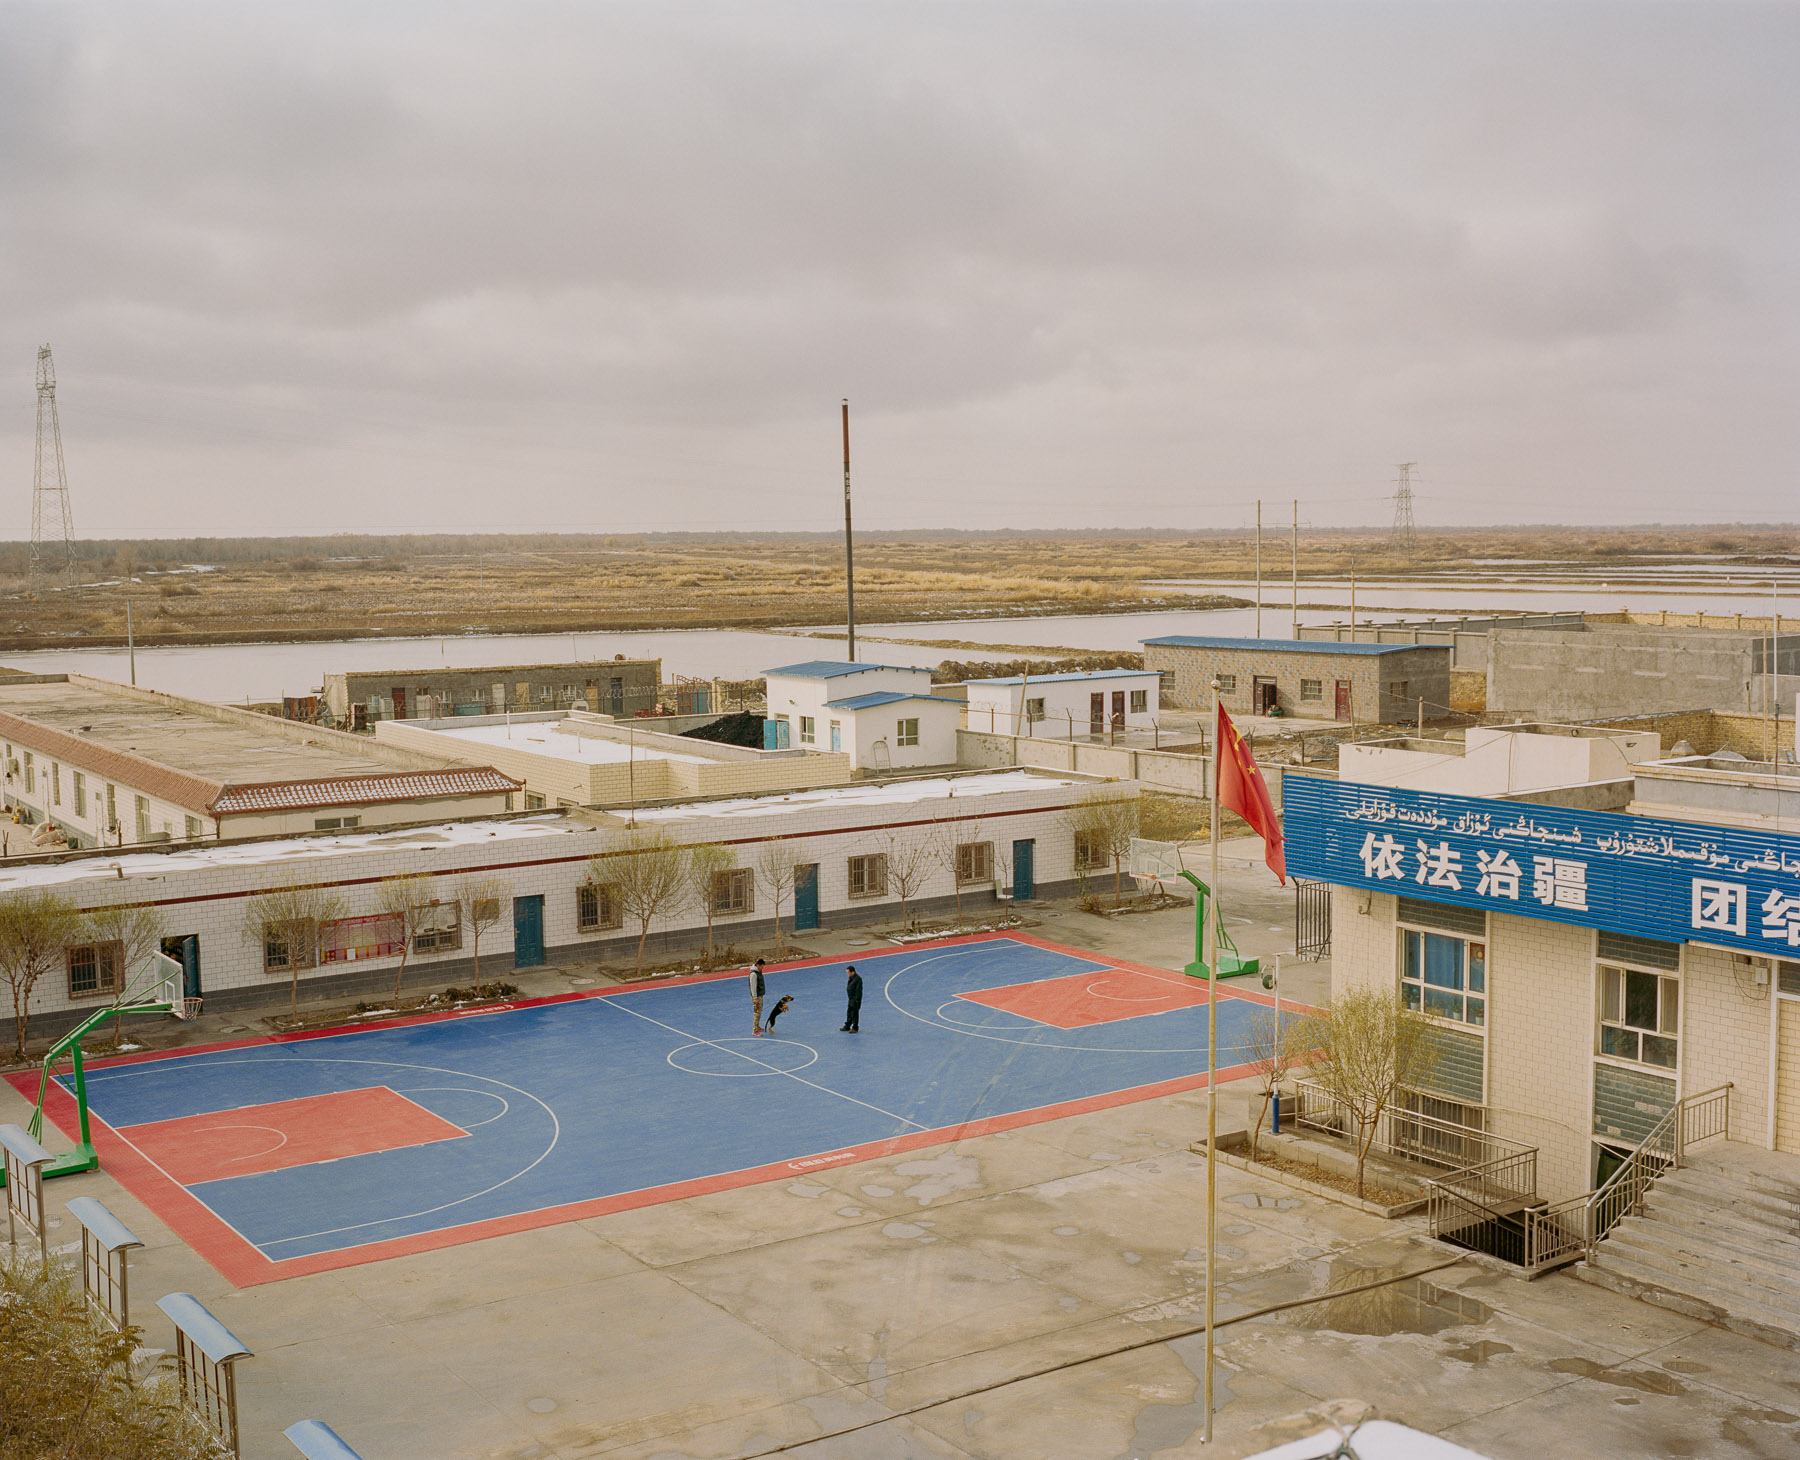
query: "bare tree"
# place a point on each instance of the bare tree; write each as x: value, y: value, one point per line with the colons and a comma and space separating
x: 910, y: 860
x: 1271, y: 1048
x: 1105, y: 825
x: 776, y: 864
x: 705, y: 862
x: 36, y: 929
x: 1369, y: 1047
x: 478, y: 899
x: 133, y: 931
x: 405, y: 900
x: 284, y: 923
x: 651, y: 875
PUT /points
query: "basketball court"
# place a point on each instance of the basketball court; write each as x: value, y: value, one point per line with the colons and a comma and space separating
x: 275, y: 1157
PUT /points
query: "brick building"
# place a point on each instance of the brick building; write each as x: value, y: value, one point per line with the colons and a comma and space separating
x: 619, y: 687
x: 1380, y: 683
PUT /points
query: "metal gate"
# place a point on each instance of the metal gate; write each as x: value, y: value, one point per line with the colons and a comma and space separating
x: 1312, y: 920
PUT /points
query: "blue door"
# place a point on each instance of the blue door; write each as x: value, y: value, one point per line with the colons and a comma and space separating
x: 528, y: 931
x: 806, y: 897
x: 837, y: 736
x: 1022, y: 887
x: 186, y: 952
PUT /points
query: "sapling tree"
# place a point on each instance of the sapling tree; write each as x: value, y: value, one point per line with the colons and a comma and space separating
x: 776, y: 865
x: 132, y: 931
x: 478, y: 899
x: 910, y: 860
x: 405, y: 900
x: 284, y: 923
x: 705, y: 864
x: 1369, y: 1049
x: 36, y: 929
x: 651, y: 875
x: 1104, y: 825
x: 1271, y: 1047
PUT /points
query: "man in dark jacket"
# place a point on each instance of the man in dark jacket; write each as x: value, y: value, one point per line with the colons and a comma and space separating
x: 756, y: 997
x: 853, y: 993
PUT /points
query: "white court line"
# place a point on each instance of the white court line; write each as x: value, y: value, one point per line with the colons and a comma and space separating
x: 1092, y: 992
x: 505, y: 1105
x: 822, y: 1089
x: 280, y: 1140
x: 555, y: 1136
x: 887, y: 990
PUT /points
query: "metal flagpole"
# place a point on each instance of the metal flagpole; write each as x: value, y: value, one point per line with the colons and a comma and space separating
x: 1211, y: 945
x: 1259, y: 567
x: 1294, y: 566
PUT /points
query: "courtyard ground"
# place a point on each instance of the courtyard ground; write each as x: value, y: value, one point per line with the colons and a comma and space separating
x: 1026, y: 1293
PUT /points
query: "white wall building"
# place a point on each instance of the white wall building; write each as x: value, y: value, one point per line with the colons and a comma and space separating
x: 1064, y: 706
x: 1492, y: 760
x: 884, y: 716
x: 1001, y: 832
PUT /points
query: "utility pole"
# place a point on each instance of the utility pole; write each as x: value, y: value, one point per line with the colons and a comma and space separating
x: 849, y: 559
x: 1294, y: 561
x: 1259, y: 567
x: 52, y: 521
x: 1405, y: 538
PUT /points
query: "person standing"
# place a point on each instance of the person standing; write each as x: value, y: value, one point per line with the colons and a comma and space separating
x: 756, y: 997
x: 853, y: 997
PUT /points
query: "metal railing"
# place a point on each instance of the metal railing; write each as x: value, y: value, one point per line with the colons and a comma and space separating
x: 1689, y: 1121
x: 106, y: 1247
x: 1411, y: 1135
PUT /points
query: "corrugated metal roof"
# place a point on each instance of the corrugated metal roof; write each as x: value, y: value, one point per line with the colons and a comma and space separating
x: 363, y: 790
x: 877, y: 698
x: 1286, y: 646
x: 836, y: 669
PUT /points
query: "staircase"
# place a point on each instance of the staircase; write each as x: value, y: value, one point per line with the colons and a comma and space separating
x: 1718, y: 1238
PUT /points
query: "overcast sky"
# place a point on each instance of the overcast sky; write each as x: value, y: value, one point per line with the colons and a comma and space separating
x: 319, y: 268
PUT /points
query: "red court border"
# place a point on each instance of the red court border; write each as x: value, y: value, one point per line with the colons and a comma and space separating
x: 241, y: 1264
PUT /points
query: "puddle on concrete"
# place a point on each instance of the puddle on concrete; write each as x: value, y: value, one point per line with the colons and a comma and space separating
x: 1770, y: 1416
x: 1273, y: 1203
x: 1133, y: 1258
x: 1238, y: 1229
x: 876, y: 1190
x: 1684, y: 1366
x: 849, y: 1211
x: 809, y: 1189
x: 902, y: 1231
x: 1478, y: 1353
x: 1410, y: 1305
x: 1069, y: 1305
x: 939, y: 1176
x: 1106, y: 1156
x: 1163, y: 1427
x: 1648, y: 1380
x: 1065, y: 1231
x: 540, y: 1406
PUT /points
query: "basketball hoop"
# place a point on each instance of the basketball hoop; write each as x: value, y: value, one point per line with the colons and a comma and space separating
x: 185, y: 1008
x: 1156, y: 866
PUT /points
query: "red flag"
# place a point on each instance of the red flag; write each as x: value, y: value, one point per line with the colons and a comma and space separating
x: 1239, y: 787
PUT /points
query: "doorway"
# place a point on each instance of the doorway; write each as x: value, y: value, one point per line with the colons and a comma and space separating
x: 1263, y: 695
x: 528, y: 931
x: 1342, y: 708
x: 399, y: 698
x: 1022, y: 855
x: 1118, y: 709
x: 1097, y: 714
x: 185, y: 950
x: 806, y: 897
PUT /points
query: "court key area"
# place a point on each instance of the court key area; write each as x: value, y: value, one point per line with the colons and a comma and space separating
x: 275, y: 1157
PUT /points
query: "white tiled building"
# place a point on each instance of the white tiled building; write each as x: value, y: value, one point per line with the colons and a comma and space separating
x: 883, y: 716
x: 992, y: 833
x: 1092, y: 702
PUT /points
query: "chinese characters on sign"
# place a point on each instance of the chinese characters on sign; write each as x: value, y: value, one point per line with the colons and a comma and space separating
x: 1641, y: 876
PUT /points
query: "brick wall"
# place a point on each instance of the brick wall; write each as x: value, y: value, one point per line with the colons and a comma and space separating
x: 1189, y: 671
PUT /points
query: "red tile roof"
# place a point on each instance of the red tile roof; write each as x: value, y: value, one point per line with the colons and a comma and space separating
x: 149, y: 777
x: 363, y: 790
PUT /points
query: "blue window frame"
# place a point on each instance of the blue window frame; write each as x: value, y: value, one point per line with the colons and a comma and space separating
x: 1444, y: 977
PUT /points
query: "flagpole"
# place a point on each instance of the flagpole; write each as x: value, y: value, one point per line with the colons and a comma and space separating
x: 1212, y: 1062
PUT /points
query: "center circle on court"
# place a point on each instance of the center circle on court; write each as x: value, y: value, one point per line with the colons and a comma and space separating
x: 743, y: 1059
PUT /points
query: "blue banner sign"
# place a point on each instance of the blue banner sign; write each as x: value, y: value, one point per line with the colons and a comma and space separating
x: 1671, y: 880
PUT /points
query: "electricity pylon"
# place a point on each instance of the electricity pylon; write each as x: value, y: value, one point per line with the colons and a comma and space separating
x: 1406, y: 538
x: 52, y: 521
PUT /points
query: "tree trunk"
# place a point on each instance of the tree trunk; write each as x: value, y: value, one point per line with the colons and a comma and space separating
x: 19, y: 1021
x: 475, y: 953
x: 400, y: 972
x: 1257, y: 1124
x: 1365, y: 1137
x: 1118, y: 886
x: 643, y: 933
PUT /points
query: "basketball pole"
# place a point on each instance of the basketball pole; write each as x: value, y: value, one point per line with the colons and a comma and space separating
x: 1211, y: 944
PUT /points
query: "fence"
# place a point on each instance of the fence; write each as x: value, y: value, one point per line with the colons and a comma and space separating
x: 1412, y: 1135
x: 206, y: 1356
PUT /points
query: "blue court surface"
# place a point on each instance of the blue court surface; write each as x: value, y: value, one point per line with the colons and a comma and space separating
x: 276, y: 1157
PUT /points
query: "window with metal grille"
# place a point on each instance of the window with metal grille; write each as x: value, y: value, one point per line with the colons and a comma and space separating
x: 1140, y: 701
x: 1640, y: 1014
x: 1090, y: 852
x: 350, y: 940
x: 1227, y: 683
x: 80, y: 789
x: 291, y: 947
x: 1444, y: 977
x: 94, y: 969
x: 975, y: 862
x: 808, y: 730
x: 1443, y: 915
x: 1034, y: 709
x: 733, y: 891
x: 194, y: 832
x: 906, y: 732
x: 1787, y: 977
x: 440, y: 928
x: 868, y: 875
x: 597, y: 907
x: 1312, y: 689
x: 1645, y: 952
x: 55, y: 783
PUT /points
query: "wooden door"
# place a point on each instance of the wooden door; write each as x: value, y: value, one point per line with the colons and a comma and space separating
x: 1343, y: 699
x: 1097, y: 714
x: 1118, y: 709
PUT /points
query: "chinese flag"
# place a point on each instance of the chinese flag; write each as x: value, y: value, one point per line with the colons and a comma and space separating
x: 1241, y: 788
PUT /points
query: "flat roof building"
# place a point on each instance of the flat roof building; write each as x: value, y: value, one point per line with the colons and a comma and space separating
x: 109, y: 765
x: 1380, y: 683
x: 359, y: 699
x: 574, y: 758
x: 883, y: 716
x: 1080, y: 702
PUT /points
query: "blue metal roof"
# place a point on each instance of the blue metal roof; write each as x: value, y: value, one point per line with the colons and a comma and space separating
x: 878, y: 698
x: 1073, y: 674
x: 836, y: 669
x: 1286, y: 646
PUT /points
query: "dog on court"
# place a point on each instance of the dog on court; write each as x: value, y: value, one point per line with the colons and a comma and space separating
x: 780, y: 1008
